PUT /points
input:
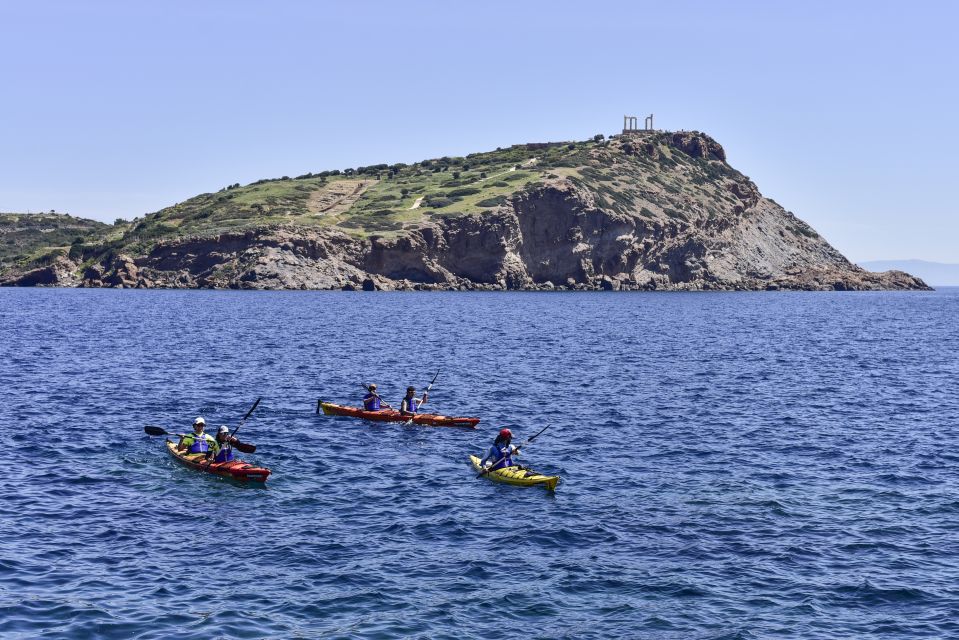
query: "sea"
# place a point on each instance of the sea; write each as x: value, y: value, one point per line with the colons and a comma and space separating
x: 733, y: 465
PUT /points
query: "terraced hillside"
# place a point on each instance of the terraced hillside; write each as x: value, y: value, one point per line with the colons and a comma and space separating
x: 380, y: 199
x: 651, y: 210
x: 29, y: 240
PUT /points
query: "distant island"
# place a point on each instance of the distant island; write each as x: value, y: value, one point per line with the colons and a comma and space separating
x: 937, y: 274
x: 644, y: 210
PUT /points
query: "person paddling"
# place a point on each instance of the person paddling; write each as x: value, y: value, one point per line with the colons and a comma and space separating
x: 372, y: 401
x: 410, y: 404
x: 196, y: 442
x: 223, y: 447
x: 502, y: 452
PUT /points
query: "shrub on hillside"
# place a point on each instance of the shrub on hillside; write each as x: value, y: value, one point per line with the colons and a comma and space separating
x: 438, y: 203
x: 76, y: 249
x: 495, y: 201
x: 465, y: 191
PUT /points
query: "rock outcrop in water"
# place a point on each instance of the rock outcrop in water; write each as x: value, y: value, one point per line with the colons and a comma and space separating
x: 650, y: 211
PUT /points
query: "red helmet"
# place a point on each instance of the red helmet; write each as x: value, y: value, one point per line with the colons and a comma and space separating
x: 505, y: 433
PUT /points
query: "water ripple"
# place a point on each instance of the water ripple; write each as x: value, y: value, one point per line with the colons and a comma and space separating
x: 734, y: 466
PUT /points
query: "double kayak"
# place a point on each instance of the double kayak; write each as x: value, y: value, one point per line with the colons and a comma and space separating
x: 392, y: 415
x: 235, y: 469
x: 517, y: 475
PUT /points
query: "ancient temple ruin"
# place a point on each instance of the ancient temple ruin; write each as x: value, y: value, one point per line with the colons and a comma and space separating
x: 631, y: 124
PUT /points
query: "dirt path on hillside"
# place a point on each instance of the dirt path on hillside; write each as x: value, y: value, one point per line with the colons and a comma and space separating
x: 528, y: 163
x: 337, y: 197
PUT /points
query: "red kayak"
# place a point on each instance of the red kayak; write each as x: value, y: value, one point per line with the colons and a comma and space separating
x: 235, y: 469
x: 392, y: 415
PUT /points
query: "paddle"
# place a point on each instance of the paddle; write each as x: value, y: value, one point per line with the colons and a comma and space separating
x: 160, y: 431
x: 248, y: 413
x: 375, y: 395
x: 528, y: 440
x: 425, y: 395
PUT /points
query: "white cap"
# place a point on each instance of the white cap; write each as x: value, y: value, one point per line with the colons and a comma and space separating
x: 199, y: 420
x: 224, y: 429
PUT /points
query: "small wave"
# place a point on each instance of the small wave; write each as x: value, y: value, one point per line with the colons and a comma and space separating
x: 867, y: 594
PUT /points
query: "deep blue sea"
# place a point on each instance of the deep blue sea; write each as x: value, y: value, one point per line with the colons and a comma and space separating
x: 734, y: 465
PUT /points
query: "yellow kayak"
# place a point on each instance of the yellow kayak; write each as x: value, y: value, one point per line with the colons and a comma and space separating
x: 517, y: 476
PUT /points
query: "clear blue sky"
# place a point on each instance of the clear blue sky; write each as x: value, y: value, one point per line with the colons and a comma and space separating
x: 844, y: 113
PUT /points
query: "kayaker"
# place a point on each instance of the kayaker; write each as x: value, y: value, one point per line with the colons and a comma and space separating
x: 502, y: 452
x: 223, y: 447
x: 372, y: 401
x: 196, y: 442
x: 411, y: 405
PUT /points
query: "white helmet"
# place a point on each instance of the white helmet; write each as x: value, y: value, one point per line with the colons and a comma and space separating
x: 223, y: 429
x: 199, y: 420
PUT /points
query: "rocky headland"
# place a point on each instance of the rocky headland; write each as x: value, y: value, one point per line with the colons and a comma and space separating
x: 640, y: 211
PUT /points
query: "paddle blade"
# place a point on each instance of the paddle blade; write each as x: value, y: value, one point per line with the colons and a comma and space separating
x: 156, y: 431
x: 245, y: 448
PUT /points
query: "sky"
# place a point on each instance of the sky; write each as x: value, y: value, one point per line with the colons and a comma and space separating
x: 844, y: 113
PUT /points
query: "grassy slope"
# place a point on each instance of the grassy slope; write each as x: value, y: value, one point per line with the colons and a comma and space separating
x: 37, y: 238
x: 447, y: 186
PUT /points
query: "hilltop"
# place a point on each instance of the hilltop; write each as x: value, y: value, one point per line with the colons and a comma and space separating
x: 645, y: 210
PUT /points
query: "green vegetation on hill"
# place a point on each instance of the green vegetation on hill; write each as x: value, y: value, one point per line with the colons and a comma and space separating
x: 380, y: 199
x: 38, y: 238
x: 647, y: 176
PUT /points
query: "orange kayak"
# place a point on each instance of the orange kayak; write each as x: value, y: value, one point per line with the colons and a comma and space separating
x: 235, y: 469
x: 392, y: 415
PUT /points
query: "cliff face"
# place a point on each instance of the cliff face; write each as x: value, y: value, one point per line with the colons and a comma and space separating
x: 643, y: 212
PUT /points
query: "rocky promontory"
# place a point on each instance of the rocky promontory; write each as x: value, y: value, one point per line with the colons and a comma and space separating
x: 642, y: 211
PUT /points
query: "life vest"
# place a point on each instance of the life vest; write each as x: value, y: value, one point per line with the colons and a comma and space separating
x: 411, y: 405
x: 500, y: 456
x: 198, y: 443
x: 371, y: 402
x: 225, y: 454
